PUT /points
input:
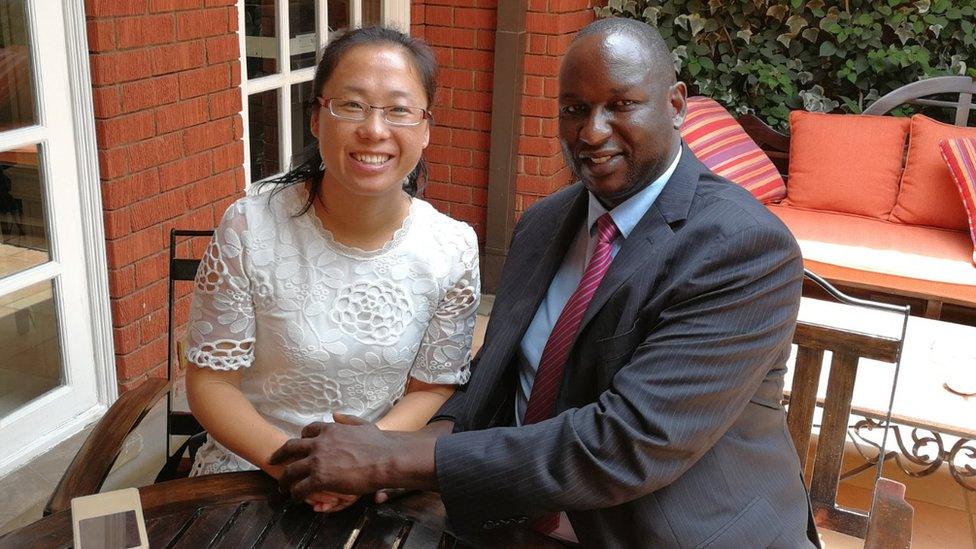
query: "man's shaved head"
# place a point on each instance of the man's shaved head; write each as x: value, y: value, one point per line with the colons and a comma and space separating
x: 653, y: 45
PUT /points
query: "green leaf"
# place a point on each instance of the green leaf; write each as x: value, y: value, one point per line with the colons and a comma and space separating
x: 810, y: 34
x: 777, y: 11
x: 827, y: 49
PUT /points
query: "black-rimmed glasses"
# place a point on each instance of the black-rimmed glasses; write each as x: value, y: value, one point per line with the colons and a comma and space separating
x: 394, y: 115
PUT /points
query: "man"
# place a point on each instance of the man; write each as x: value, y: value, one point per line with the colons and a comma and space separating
x: 633, y: 366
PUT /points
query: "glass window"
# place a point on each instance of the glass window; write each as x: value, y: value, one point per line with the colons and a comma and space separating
x: 262, y: 111
x: 23, y: 225
x: 16, y: 97
x: 261, y: 37
x: 301, y: 31
x: 31, y: 347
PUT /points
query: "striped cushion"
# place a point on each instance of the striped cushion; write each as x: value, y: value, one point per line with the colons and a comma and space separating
x: 960, y: 156
x: 721, y: 144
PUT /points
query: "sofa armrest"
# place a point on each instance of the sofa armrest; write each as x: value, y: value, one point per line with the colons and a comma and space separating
x: 94, y: 460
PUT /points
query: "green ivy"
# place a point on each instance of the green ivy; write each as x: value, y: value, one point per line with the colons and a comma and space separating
x: 769, y: 57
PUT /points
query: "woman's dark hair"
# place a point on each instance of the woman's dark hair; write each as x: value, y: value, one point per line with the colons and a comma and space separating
x: 306, y: 165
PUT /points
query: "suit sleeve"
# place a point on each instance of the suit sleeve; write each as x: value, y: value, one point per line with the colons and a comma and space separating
x: 684, y: 386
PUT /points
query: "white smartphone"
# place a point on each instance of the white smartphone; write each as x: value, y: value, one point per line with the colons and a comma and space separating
x: 112, y: 520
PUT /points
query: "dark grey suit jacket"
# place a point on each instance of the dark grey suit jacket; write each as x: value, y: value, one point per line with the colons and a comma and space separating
x: 669, y: 431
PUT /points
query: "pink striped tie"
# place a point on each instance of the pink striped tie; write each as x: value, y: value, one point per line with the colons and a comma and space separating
x: 542, y: 400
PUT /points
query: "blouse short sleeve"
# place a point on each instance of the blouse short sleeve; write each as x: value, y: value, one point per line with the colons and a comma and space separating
x: 221, y: 330
x: 445, y: 351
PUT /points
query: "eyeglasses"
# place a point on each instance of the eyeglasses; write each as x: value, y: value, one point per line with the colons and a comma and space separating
x: 394, y: 115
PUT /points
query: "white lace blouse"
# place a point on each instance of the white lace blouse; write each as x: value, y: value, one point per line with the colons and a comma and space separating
x: 318, y: 326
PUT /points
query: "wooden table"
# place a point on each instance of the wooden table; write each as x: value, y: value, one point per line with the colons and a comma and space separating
x: 238, y: 510
x: 922, y: 404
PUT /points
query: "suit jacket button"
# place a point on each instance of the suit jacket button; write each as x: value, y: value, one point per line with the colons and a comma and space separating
x: 488, y: 524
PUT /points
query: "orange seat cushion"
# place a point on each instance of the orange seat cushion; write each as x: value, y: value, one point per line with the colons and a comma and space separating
x: 724, y: 147
x: 927, y: 195
x: 845, y: 163
x: 960, y: 157
x: 892, y: 257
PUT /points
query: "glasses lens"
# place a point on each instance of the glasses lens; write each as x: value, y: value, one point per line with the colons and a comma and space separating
x: 345, y: 108
x: 404, y: 116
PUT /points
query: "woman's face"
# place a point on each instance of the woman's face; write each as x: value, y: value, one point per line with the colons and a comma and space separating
x: 371, y: 157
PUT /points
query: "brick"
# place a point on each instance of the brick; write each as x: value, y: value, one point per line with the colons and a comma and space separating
x: 542, y: 107
x: 143, y: 360
x: 121, y: 281
x: 473, y: 18
x: 179, y: 57
x: 156, y: 209
x: 106, y: 101
x: 440, y: 136
x: 202, y: 81
x: 458, y: 79
x: 224, y: 103
x: 542, y: 65
x: 235, y: 74
x: 453, y: 37
x: 438, y: 15
x: 472, y: 100
x: 124, y: 129
x: 485, y: 40
x: 129, y: 249
x: 479, y: 197
x: 471, y: 177
x: 181, y: 115
x: 186, y: 170
x: 152, y: 269
x: 541, y: 23
x: 101, y: 35
x: 116, y: 223
x: 112, y: 163
x: 223, y: 48
x: 449, y: 155
x: 471, y: 139
x: 536, y: 44
x: 137, y: 32
x: 233, y: 19
x: 469, y: 213
x: 128, y: 190
x: 126, y: 338
x: 157, y: 6
x: 534, y: 85
x: 473, y: 59
x: 114, y: 8
x: 209, y: 135
x: 213, y: 3
x: 154, y: 152
x: 143, y: 94
x: 201, y: 23
x: 132, y: 65
x: 228, y: 156
x: 153, y: 326
x: 453, y: 118
x: 538, y: 146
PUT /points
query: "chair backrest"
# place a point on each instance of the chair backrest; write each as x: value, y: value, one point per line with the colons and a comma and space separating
x: 180, y: 270
x: 846, y: 348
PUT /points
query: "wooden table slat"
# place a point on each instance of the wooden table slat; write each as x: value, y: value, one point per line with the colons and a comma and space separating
x: 337, y: 530
x: 249, y: 525
x: 164, y: 531
x: 208, y: 526
x: 382, y: 531
x: 292, y: 527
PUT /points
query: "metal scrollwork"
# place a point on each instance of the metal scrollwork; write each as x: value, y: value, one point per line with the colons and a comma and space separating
x: 922, y: 457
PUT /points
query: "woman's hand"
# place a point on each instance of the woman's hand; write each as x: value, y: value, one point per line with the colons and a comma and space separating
x: 330, y: 502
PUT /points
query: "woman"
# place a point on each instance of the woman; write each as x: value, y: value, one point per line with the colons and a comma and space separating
x: 338, y: 291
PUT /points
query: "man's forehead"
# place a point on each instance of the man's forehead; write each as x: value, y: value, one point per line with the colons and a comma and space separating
x: 620, y: 59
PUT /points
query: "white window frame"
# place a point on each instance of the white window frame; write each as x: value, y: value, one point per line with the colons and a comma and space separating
x: 395, y: 13
x: 78, y: 264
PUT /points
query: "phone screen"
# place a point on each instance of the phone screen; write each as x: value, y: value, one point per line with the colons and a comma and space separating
x: 115, y: 531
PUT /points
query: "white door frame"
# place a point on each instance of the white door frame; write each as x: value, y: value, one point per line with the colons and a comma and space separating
x: 79, y: 268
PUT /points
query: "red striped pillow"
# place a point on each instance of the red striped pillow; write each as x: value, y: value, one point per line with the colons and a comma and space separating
x: 960, y: 156
x: 721, y: 144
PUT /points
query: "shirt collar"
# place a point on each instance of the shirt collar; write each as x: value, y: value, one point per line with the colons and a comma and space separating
x: 629, y: 212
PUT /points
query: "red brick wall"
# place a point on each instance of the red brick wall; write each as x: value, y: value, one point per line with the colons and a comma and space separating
x: 462, y: 34
x: 165, y: 76
x: 551, y: 25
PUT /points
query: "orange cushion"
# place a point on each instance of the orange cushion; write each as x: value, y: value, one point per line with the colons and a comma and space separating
x: 960, y: 157
x: 845, y: 162
x: 871, y: 253
x: 724, y: 147
x: 927, y: 195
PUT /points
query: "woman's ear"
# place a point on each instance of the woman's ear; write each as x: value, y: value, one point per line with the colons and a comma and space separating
x: 313, y: 124
x: 426, y: 135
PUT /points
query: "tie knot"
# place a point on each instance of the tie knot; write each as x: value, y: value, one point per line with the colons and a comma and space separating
x: 606, y: 229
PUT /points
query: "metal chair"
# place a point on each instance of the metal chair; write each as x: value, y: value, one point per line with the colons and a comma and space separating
x: 93, y: 462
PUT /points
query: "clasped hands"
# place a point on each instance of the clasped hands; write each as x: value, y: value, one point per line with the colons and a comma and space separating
x: 332, y: 464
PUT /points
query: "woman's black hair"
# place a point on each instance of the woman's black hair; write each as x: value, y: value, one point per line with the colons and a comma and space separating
x: 307, y: 164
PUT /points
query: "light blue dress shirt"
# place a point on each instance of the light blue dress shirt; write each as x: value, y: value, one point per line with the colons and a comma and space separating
x: 626, y: 216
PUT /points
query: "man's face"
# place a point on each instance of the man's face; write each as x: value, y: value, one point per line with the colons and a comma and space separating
x: 618, y: 115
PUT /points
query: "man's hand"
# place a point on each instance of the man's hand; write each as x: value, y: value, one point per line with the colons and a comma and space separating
x: 352, y: 458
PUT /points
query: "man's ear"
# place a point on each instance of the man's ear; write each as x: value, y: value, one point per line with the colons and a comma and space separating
x: 678, y: 96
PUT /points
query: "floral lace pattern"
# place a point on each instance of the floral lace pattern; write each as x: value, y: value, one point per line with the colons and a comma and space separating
x: 319, y: 327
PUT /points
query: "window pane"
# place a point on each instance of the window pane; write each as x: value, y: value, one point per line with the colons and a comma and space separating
x: 23, y: 227
x: 372, y: 12
x: 262, y: 115
x: 301, y: 27
x: 32, y: 351
x: 261, y: 37
x: 301, y: 134
x: 16, y: 99
x: 338, y: 15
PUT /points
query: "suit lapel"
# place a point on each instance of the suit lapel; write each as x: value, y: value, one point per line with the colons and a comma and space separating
x: 671, y: 206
